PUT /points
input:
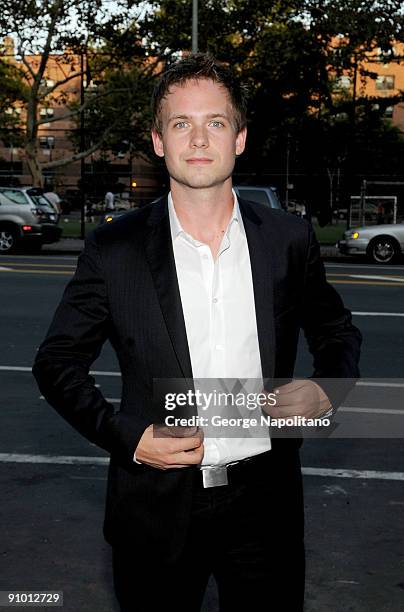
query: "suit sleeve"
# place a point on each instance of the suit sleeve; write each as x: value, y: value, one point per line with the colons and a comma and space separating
x: 74, y: 340
x: 332, y: 339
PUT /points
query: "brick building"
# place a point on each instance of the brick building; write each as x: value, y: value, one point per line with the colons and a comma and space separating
x: 55, y: 131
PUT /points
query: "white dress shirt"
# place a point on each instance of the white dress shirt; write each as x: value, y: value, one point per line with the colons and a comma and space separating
x: 219, y: 311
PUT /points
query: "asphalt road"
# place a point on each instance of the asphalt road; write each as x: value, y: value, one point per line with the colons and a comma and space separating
x: 51, y: 512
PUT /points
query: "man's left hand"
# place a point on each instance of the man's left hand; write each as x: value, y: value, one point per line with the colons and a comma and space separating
x: 299, y: 398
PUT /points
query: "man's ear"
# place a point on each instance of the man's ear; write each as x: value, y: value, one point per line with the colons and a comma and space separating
x: 240, y: 141
x: 157, y: 143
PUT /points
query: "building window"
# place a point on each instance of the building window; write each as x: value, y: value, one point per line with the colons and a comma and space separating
x: 389, y: 111
x: 384, y: 82
x: 47, y: 142
x: 343, y: 82
x: 46, y: 112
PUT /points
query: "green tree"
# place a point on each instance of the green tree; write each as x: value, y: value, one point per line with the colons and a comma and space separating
x: 291, y: 54
x: 117, y: 107
x: 12, y: 95
x: 354, y: 33
x: 267, y: 43
x: 60, y: 32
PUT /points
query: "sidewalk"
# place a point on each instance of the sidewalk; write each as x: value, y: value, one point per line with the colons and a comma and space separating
x: 73, y: 246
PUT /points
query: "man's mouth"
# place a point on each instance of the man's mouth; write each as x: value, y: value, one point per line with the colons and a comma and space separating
x: 199, y: 160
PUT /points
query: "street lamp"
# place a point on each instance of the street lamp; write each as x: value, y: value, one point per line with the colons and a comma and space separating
x: 194, y: 26
x: 82, y: 149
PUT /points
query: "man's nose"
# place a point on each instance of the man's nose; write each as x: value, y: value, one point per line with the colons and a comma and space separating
x: 199, y: 137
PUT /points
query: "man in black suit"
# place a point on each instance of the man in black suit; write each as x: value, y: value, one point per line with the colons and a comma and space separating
x: 199, y: 285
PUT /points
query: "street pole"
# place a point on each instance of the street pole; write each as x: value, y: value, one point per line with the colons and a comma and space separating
x: 353, y: 136
x: 362, y: 202
x: 287, y: 171
x: 194, y: 26
x: 82, y: 148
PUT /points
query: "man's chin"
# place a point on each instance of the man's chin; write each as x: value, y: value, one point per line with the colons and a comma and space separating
x: 201, y: 182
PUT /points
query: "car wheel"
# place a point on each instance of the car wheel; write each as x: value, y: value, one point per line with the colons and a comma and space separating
x: 383, y: 249
x: 8, y: 241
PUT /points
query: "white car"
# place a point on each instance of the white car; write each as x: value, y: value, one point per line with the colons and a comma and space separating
x: 262, y: 195
x: 380, y: 243
x: 26, y: 217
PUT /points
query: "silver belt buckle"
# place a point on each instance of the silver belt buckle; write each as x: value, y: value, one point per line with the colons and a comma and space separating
x: 214, y: 476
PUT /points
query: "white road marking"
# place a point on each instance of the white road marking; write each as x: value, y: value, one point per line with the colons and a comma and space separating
x: 377, y: 314
x: 104, y: 373
x: 52, y: 257
x: 111, y: 400
x: 14, y: 369
x: 53, y: 459
x: 361, y: 383
x: 104, y: 461
x: 370, y: 410
x: 375, y: 277
x: 26, y: 369
x: 41, y: 265
x: 3, y: 269
x: 361, y: 266
x: 365, y: 474
x: 334, y: 490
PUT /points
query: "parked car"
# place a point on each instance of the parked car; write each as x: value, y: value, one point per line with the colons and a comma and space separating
x: 370, y: 212
x: 381, y: 244
x: 262, y: 195
x: 26, y: 217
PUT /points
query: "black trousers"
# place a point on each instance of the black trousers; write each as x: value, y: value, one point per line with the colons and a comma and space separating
x: 248, y: 534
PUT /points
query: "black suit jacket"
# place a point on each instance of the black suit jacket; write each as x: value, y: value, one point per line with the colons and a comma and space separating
x: 126, y: 289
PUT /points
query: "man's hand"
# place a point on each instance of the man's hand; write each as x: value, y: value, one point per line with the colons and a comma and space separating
x: 163, y: 448
x: 299, y: 398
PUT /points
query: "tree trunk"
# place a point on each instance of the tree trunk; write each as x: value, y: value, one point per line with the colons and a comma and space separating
x: 35, y: 169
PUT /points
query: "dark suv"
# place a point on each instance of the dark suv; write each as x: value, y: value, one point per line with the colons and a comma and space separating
x: 26, y: 218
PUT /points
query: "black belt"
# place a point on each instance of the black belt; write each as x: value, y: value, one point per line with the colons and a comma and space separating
x: 232, y: 473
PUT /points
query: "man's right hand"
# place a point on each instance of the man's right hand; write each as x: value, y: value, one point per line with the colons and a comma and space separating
x: 160, y: 449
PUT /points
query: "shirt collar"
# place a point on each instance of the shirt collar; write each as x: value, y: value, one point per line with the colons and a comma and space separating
x: 177, y: 229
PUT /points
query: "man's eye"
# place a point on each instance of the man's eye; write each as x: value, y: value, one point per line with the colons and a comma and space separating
x: 180, y: 124
x: 216, y: 123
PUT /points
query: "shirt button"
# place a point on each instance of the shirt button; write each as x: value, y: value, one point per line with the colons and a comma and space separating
x: 215, y: 300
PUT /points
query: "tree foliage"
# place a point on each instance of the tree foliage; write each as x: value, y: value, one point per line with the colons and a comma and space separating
x: 12, y: 91
x: 289, y: 52
x: 57, y: 33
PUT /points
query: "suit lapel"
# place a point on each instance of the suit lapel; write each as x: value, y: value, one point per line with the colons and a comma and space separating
x: 261, y: 259
x: 160, y: 255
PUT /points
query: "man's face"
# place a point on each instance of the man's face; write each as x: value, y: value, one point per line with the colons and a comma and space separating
x: 199, y: 141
